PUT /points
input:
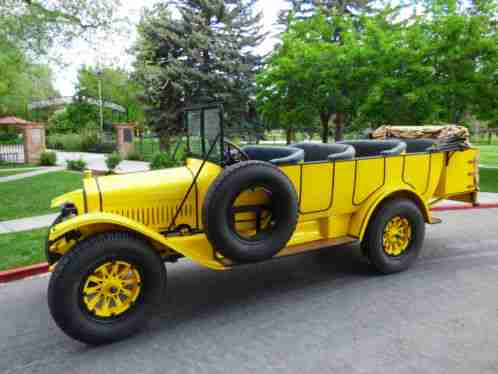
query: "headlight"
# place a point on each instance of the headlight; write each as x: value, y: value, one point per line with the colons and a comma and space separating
x: 68, y: 210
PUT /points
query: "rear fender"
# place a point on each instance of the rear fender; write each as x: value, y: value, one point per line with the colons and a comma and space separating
x: 195, y: 247
x: 361, y: 218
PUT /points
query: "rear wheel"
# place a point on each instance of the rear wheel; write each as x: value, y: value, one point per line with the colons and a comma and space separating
x: 106, y: 288
x: 394, y: 236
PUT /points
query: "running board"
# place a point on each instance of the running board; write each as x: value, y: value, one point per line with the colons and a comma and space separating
x: 315, y: 245
x: 297, y: 249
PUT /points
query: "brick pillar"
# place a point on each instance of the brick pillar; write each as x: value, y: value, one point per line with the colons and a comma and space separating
x: 34, y: 142
x: 125, y: 136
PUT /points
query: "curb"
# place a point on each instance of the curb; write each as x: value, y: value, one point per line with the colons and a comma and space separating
x: 28, y: 271
x: 445, y: 208
x: 23, y: 272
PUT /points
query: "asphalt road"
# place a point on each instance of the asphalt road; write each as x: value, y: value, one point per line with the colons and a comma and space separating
x: 317, y: 313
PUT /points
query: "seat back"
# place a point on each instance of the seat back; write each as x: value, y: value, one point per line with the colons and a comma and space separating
x: 418, y: 145
x: 371, y: 148
x: 275, y: 155
x: 323, y: 152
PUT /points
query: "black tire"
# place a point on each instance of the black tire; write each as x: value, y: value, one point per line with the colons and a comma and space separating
x: 219, y: 200
x: 373, y: 246
x: 65, y: 287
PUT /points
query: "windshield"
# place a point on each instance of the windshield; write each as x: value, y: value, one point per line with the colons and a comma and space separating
x: 205, y: 133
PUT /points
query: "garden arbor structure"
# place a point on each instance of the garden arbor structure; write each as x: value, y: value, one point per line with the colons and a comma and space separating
x: 33, y: 135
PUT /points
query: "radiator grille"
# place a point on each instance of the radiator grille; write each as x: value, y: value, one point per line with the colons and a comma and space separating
x: 157, y: 215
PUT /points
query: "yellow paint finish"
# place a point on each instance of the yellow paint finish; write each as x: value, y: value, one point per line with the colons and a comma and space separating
x: 151, y: 198
x: 416, y: 172
x: 358, y: 186
x: 92, y: 195
x: 394, y: 169
x: 76, y: 197
x: 189, y: 246
x: 316, y: 190
x: 305, y: 232
x: 360, y: 220
x: 111, y: 289
x: 460, y: 174
x: 337, y: 225
x: 204, y: 181
x: 397, y: 236
x: 343, y: 187
x: 293, y: 172
x: 370, y: 175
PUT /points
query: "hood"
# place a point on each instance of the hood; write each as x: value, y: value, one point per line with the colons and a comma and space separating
x: 151, y: 198
x: 118, y: 192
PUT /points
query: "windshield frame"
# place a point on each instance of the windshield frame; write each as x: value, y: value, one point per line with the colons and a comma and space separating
x: 217, y: 154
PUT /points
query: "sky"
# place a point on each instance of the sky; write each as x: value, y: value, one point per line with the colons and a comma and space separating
x: 113, y: 48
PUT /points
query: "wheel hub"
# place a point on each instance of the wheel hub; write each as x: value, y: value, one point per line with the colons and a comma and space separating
x: 111, y: 289
x: 397, y: 236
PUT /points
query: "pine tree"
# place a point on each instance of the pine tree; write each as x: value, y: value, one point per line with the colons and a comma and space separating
x: 304, y: 9
x: 207, y: 50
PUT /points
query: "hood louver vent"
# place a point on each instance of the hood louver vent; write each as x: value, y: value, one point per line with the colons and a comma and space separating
x: 158, y: 216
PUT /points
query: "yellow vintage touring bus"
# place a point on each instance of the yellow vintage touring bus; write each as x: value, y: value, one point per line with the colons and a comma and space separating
x: 231, y: 206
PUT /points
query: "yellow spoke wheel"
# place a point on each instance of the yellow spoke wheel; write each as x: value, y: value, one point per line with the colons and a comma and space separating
x: 111, y: 289
x: 397, y: 236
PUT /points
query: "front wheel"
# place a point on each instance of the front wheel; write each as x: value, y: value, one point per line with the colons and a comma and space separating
x: 394, y: 236
x: 106, y: 288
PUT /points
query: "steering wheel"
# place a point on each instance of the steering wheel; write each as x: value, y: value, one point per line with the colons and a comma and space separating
x: 233, y: 153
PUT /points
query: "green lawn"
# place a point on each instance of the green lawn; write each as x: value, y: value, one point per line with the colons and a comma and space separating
x: 31, y: 196
x: 150, y: 146
x: 147, y: 147
x: 489, y: 155
x: 22, y: 249
x: 16, y: 166
x: 488, y: 180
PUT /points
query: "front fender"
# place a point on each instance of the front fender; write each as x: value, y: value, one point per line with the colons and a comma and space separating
x: 195, y: 247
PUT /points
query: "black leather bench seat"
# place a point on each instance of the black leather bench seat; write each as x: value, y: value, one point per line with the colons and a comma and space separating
x: 372, y: 148
x: 275, y: 155
x: 325, y: 152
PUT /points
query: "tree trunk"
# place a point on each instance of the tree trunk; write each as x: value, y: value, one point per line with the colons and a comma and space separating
x: 289, y: 134
x: 164, y: 141
x: 339, y: 126
x: 324, y: 120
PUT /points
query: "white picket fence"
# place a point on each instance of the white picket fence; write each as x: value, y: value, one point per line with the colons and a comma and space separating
x: 12, y: 153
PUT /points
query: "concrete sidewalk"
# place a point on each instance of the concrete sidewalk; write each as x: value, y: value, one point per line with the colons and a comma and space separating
x: 96, y: 162
x: 38, y: 171
x: 484, y: 198
x: 25, y: 224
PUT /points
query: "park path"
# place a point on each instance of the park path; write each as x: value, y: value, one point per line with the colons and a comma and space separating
x: 96, y: 162
x: 26, y: 224
x: 32, y: 173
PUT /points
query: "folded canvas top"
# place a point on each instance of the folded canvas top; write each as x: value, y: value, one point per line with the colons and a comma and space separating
x: 422, y: 132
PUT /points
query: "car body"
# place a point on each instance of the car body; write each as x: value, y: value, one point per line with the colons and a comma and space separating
x: 338, y: 201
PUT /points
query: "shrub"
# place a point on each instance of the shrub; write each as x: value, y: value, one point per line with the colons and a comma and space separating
x: 135, y: 156
x: 10, y: 138
x: 48, y: 158
x: 90, y: 140
x: 102, y: 148
x: 162, y: 160
x: 78, y: 165
x: 112, y: 161
x: 66, y: 142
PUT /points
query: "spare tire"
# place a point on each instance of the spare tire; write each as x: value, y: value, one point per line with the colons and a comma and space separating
x: 218, y: 216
